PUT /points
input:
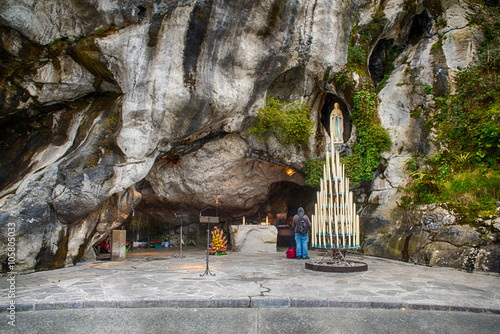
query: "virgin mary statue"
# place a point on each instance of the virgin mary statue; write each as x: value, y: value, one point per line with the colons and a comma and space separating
x: 336, y: 125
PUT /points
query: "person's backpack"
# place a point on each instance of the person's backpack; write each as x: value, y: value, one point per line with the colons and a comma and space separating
x: 302, y: 228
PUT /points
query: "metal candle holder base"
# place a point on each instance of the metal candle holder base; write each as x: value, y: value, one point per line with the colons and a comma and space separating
x: 337, y: 263
x: 209, y: 220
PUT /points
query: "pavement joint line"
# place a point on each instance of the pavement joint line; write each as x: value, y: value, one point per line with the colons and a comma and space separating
x: 251, y: 302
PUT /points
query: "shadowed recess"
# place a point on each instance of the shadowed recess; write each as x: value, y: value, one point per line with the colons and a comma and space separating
x: 198, y: 25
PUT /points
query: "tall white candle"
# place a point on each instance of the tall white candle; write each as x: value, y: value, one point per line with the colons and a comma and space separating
x: 313, y: 227
x: 325, y: 204
x: 348, y: 214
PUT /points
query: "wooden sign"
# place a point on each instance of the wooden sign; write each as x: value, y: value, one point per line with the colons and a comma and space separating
x: 209, y: 219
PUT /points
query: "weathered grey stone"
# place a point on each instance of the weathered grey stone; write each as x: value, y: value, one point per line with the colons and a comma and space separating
x: 67, y: 82
x: 488, y: 259
x: 496, y: 224
x: 459, y: 235
x: 45, y: 20
x: 254, y: 238
x: 118, y: 239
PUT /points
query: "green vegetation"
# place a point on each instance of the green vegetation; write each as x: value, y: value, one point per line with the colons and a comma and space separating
x: 372, y: 138
x: 288, y: 122
x: 343, y: 80
x: 314, y: 172
x: 469, y: 190
x: 356, y: 55
x: 466, y: 127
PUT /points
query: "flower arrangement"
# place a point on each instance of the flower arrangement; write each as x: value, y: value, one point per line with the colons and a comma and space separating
x: 155, y: 244
x: 218, y: 244
x: 127, y: 246
x: 104, y: 247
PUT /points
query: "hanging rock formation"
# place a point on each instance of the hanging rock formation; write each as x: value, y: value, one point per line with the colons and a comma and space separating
x: 109, y: 105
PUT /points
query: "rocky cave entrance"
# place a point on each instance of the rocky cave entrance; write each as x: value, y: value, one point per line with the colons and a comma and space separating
x: 146, y: 232
x: 326, y: 110
x: 161, y: 229
x: 385, y: 52
x: 286, y: 197
x: 154, y: 222
x: 284, y: 200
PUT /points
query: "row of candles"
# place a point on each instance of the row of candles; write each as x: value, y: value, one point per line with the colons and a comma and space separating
x: 335, y: 223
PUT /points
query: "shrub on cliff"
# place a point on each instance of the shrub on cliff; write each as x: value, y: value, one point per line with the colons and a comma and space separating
x: 371, y: 138
x: 288, y: 122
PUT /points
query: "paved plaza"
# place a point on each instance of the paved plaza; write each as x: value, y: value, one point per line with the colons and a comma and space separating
x: 161, y: 278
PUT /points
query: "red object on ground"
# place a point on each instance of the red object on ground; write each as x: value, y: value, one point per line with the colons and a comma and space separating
x: 290, y: 253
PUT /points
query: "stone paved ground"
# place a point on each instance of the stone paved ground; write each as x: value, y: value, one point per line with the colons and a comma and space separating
x: 155, y: 278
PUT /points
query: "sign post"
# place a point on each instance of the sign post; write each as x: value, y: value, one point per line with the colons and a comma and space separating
x: 208, y: 220
x: 182, y: 235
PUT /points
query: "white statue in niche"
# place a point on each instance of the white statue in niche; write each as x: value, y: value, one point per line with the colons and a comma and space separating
x: 336, y: 125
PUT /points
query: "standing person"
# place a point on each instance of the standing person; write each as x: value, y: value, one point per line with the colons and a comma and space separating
x: 301, y: 226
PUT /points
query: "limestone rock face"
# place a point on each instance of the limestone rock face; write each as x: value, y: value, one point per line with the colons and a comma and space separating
x: 429, y: 54
x: 225, y: 165
x: 432, y: 235
x: 254, y: 238
x: 114, y: 106
x: 68, y: 83
x: 43, y: 21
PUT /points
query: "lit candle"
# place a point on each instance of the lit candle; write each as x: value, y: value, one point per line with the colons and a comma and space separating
x: 243, y: 220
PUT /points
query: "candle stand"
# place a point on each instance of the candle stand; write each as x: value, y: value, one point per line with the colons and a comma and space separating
x: 208, y: 220
x: 336, y: 262
x: 335, y: 222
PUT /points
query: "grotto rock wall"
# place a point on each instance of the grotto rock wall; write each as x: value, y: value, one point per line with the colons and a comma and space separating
x: 431, y: 44
x: 110, y: 106
x: 112, y: 103
x: 433, y: 235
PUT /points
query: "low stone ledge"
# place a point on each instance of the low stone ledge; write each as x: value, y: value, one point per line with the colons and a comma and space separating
x: 308, y: 302
x: 100, y: 304
x: 387, y: 305
x: 258, y: 301
x: 138, y: 303
x: 230, y: 302
x: 348, y: 304
x: 428, y: 307
x: 23, y: 307
x: 58, y: 305
x: 186, y: 302
x: 269, y: 302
